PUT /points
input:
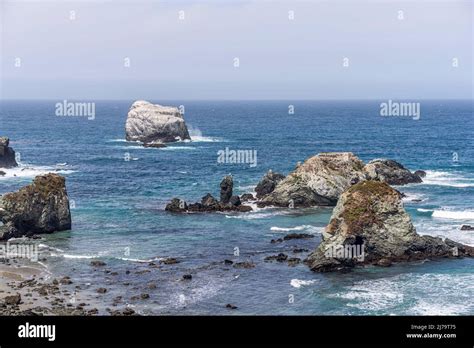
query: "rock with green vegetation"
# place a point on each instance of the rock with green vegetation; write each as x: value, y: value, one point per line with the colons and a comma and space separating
x: 41, y: 207
x: 369, y: 225
x: 318, y: 181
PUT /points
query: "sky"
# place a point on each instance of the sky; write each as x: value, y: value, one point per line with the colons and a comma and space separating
x: 285, y: 50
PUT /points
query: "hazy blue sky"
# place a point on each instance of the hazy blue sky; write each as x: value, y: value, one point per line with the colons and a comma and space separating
x: 279, y: 58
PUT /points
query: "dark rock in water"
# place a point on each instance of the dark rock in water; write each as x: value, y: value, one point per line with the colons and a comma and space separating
x: 209, y: 203
x: 294, y: 261
x: 268, y: 183
x: 41, y: 207
x: 467, y: 228
x: 187, y: 277
x: 391, y: 172
x: 244, y: 264
x: 13, y: 300
x: 128, y: 311
x: 2, y: 173
x: 65, y: 281
x: 230, y: 306
x: 156, y: 144
x: 228, y: 262
x: 247, y: 197
x: 384, y: 263
x: 298, y: 236
x: 101, y: 290
x: 370, y: 226
x: 177, y: 206
x: 169, y: 261
x: 227, y: 185
x: 144, y: 296
x: 317, y: 182
x: 8, y: 231
x: 150, y: 123
x: 97, y: 263
x: 235, y: 201
x: 279, y: 258
x: 420, y: 173
x: 7, y: 155
x: 278, y: 240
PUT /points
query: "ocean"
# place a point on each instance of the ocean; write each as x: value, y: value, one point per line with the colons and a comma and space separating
x: 119, y: 190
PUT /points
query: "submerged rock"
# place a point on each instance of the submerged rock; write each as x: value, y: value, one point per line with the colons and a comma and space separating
x: 318, y: 181
x: 369, y: 225
x: 155, y: 124
x: 391, y: 172
x: 7, y: 155
x: 41, y: 207
x: 268, y: 183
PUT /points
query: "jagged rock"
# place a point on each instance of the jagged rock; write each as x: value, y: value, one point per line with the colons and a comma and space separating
x: 7, y: 155
x: 391, y: 172
x: 8, y: 231
x: 41, y: 207
x: 369, y: 225
x: 235, y: 201
x: 13, y: 300
x: 209, y: 203
x: 279, y: 258
x: 177, y: 205
x: 268, y: 183
x: 467, y: 228
x: 318, y: 181
x: 227, y: 185
x: 155, y: 124
x: 247, y: 197
x: 420, y: 173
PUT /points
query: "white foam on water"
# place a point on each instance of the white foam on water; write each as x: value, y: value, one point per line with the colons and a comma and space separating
x: 196, y: 136
x: 30, y: 171
x: 297, y: 283
x: 421, y: 210
x: 425, y: 294
x: 441, y: 178
x: 452, y: 214
x: 410, y: 196
x: 307, y: 228
x: 443, y: 230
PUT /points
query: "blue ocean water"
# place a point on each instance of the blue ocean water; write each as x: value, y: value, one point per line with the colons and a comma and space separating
x: 118, y: 204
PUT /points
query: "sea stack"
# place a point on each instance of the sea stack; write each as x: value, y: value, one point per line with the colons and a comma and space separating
x: 41, y: 207
x: 154, y: 124
x: 318, y: 181
x: 7, y: 155
x: 369, y: 225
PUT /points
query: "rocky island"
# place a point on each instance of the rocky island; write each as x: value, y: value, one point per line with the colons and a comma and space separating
x: 41, y: 207
x: 154, y: 125
x: 369, y: 225
x: 7, y: 154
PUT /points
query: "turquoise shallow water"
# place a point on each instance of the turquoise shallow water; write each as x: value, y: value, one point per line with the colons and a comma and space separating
x: 119, y: 205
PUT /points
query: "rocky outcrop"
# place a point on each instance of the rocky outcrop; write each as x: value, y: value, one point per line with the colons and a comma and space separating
x: 208, y: 203
x: 227, y: 185
x: 369, y: 225
x: 268, y: 183
x: 155, y: 124
x: 41, y: 207
x: 7, y: 155
x: 318, y: 181
x: 391, y: 172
